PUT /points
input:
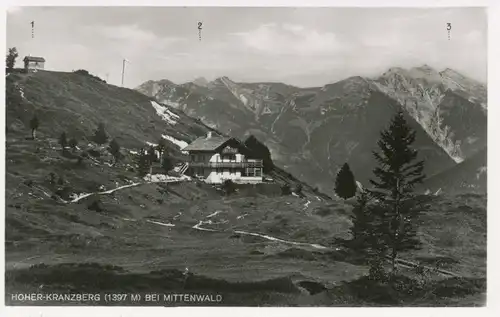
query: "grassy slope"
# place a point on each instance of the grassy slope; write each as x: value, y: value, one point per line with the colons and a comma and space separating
x: 76, y: 104
x: 41, y: 229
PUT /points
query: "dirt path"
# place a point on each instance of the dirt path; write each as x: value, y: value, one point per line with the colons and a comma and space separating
x: 107, y: 192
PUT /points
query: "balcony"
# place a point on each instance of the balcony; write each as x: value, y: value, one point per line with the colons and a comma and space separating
x: 251, y: 164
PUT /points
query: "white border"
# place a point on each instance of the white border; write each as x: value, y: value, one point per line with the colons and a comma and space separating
x: 493, y: 277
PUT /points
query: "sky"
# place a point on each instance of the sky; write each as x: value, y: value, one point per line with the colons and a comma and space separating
x: 299, y: 46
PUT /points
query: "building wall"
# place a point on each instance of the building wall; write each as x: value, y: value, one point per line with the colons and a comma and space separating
x: 217, y: 176
x: 34, y: 65
x: 215, y: 157
x: 218, y: 158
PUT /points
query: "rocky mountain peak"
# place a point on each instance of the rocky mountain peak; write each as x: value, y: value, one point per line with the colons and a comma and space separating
x: 425, y: 72
x: 451, y: 73
x: 201, y: 81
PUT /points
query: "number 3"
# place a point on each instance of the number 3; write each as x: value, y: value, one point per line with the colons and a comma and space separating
x: 448, y: 26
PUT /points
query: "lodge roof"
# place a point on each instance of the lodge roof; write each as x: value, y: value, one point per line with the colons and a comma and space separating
x: 206, y: 143
x: 34, y: 59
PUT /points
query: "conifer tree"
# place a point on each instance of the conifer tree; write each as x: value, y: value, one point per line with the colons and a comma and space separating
x: 260, y: 151
x: 100, y: 137
x: 63, y: 141
x: 398, y: 172
x: 34, y: 123
x: 114, y: 148
x: 143, y: 163
x: 151, y: 155
x: 345, y: 185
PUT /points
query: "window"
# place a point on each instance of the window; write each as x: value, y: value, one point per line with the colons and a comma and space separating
x: 229, y: 157
x: 258, y: 172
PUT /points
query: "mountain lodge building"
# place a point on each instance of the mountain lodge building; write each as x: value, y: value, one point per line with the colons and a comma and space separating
x: 33, y: 63
x: 216, y: 159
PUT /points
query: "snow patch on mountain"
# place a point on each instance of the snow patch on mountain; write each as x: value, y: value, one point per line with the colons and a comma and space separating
x: 164, y: 113
x: 179, y: 143
x: 243, y: 99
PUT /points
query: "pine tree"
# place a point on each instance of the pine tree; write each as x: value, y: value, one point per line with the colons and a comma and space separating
x: 345, y: 185
x: 151, y: 155
x: 114, y: 149
x: 100, y: 137
x: 63, y: 141
x: 73, y: 143
x: 361, y: 222
x: 11, y: 58
x: 398, y: 172
x: 34, y: 123
x: 260, y: 151
x: 143, y: 163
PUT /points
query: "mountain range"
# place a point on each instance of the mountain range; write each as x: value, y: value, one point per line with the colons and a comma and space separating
x: 312, y: 131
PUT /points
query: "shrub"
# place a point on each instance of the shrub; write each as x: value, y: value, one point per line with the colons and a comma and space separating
x: 95, y: 206
x: 94, y: 153
x: 87, y: 74
x: 298, y: 189
x: 100, y: 136
x: 73, y: 144
x: 34, y: 124
x: 114, y: 149
x: 64, y: 192
x: 229, y: 187
x: 167, y: 164
x: 286, y: 190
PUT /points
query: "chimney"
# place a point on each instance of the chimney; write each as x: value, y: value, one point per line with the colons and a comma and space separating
x: 209, y: 134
